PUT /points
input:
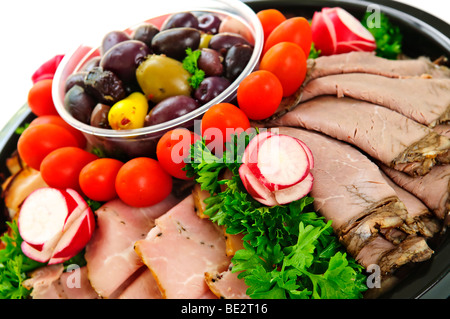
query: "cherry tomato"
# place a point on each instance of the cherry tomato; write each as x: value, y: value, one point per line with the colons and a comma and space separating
x: 98, y: 179
x: 296, y: 30
x: 270, y: 19
x: 173, y: 147
x: 288, y: 62
x: 61, y: 168
x: 259, y: 94
x: 40, y: 98
x: 220, y: 122
x: 58, y: 120
x: 37, y: 141
x: 143, y: 182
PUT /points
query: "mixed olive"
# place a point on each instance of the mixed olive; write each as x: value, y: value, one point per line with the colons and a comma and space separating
x: 140, y: 78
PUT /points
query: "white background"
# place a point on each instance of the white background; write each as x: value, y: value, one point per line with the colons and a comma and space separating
x: 34, y: 31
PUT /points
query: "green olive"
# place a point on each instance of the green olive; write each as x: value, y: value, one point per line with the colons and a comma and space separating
x: 128, y: 113
x: 161, y: 77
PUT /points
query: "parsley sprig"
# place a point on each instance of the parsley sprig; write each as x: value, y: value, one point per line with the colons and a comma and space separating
x: 388, y: 36
x: 190, y: 65
x: 289, y: 250
x: 14, y: 265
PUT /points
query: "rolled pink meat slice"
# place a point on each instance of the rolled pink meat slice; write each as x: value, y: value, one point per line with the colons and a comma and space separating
x: 424, y: 100
x: 350, y: 190
x: 385, y: 135
x: 180, y: 249
x: 433, y: 189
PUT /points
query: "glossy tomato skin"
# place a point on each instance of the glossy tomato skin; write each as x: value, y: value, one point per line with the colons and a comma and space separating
x: 259, y: 94
x: 220, y: 122
x: 40, y: 98
x: 98, y: 179
x: 58, y: 120
x: 37, y: 141
x: 296, y: 30
x: 142, y: 182
x: 172, y: 148
x: 270, y: 19
x: 61, y: 168
x: 288, y: 62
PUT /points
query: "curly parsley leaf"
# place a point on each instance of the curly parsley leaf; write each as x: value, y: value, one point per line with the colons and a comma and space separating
x: 387, y: 36
x: 14, y: 265
x: 289, y: 250
x: 190, y: 65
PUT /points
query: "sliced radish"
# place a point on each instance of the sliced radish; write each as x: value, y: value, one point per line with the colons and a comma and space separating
x: 281, y: 162
x: 295, y: 192
x: 43, y: 215
x: 276, y: 169
x: 254, y: 187
x: 75, y: 238
x: 41, y: 256
x: 55, y: 224
x: 336, y: 31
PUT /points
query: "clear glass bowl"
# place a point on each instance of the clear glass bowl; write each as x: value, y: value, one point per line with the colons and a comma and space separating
x: 126, y: 144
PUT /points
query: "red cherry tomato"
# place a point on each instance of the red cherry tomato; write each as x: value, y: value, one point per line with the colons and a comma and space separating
x: 296, y: 30
x: 37, y: 141
x: 98, y: 178
x: 288, y: 62
x: 61, y: 168
x: 56, y: 119
x: 259, y: 94
x: 270, y: 19
x: 40, y: 98
x: 143, y: 182
x: 173, y: 147
x: 220, y: 122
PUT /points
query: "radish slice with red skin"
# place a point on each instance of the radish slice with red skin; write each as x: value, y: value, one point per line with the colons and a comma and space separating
x: 255, y: 181
x: 295, y: 192
x: 74, y: 239
x: 336, y: 31
x: 33, y: 253
x: 282, y: 162
x: 254, y: 187
x: 43, y: 215
x: 54, y: 221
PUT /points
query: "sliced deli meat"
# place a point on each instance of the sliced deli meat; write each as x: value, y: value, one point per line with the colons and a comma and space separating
x: 433, y: 189
x: 180, y: 249
x: 424, y: 100
x: 368, y: 62
x: 52, y: 282
x: 110, y: 254
x: 374, y: 129
x: 226, y: 284
x: 419, y: 218
x: 350, y: 190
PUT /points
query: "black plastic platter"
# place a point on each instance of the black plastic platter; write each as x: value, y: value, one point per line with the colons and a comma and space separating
x: 424, y: 35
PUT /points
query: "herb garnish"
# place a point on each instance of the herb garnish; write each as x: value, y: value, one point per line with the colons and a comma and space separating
x: 14, y: 265
x: 289, y: 250
x: 387, y: 36
x: 190, y: 65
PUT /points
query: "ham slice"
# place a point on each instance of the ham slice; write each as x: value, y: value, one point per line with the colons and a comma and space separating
x: 143, y: 287
x: 368, y: 62
x: 51, y: 282
x: 227, y: 285
x: 424, y: 100
x: 350, y: 190
x: 110, y: 255
x: 180, y: 249
x: 376, y: 130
